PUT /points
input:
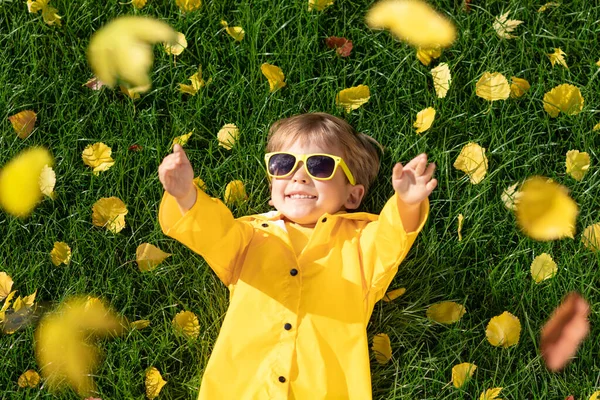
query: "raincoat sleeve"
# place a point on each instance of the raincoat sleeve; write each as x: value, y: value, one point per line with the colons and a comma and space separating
x: 209, y: 229
x: 384, y: 244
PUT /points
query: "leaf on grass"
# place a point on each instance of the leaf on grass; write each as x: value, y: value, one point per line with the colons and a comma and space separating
x: 47, y: 181
x: 24, y: 302
x: 6, y: 284
x: 503, y: 330
x: 426, y: 55
x: 510, y: 196
x: 462, y: 372
x: 518, y: 87
x: 274, y: 75
x: 491, y: 394
x: 473, y: 162
x: 460, y: 225
x: 139, y: 4
x: 235, y: 193
x: 177, y: 46
x: 98, y: 157
x: 228, y: 136
x: 412, y: 21
x: 188, y: 5
x: 591, y: 237
x: 566, y: 98
x: 577, y: 163
x: 446, y: 312
x: 236, y: 32
x: 595, y: 395
x: 492, y: 87
x: 60, y: 254
x: 596, y: 127
x: 109, y: 212
x: 424, y: 119
x: 342, y: 46
x: 186, y: 323
x: 504, y: 26
x: 19, y: 181
x: 319, y: 5
x: 139, y: 324
x: 94, y: 84
x: 135, y: 147
x: 352, y: 98
x: 181, y: 140
x: 49, y: 13
x: 543, y: 267
x: 545, y: 210
x: 6, y: 305
x: 149, y: 257
x: 23, y: 123
x: 547, y: 6
x: 197, y: 83
x: 558, y: 57
x: 29, y: 378
x: 441, y: 79
x: 154, y: 383
x: 382, y: 348
x: 394, y: 294
x: 134, y: 92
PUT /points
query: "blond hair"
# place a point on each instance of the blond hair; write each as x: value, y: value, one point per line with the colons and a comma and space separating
x: 359, y: 151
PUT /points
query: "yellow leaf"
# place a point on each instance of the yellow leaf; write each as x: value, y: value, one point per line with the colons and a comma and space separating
x: 518, y: 87
x: 424, y: 119
x: 188, y: 5
x: 473, y: 162
x: 441, y: 79
x: 176, y: 47
x: 461, y: 372
x: 591, y: 237
x: 595, y: 395
x: 181, y: 140
x: 545, y: 211
x: 60, y: 254
x: 139, y: 324
x: 6, y: 305
x: 98, y: 156
x: 382, y: 348
x: 558, y: 57
x: 29, y: 378
x: 394, y: 294
x: 235, y: 193
x: 503, y: 26
x: 139, y: 4
x: 460, y: 225
x: 228, y: 136
x: 19, y: 181
x: 547, y: 6
x: 26, y: 301
x: 577, y: 164
x: 123, y: 49
x: 49, y: 13
x: 598, y: 63
x: 412, y: 21
x: 47, y: 180
x: 197, y: 83
x: 186, y: 323
x: 566, y: 98
x: 154, y: 383
x: 543, y: 267
x: 6, y: 284
x: 352, y: 98
x: 503, y: 330
x: 446, y: 312
x: 319, y: 5
x: 109, y: 212
x: 235, y: 32
x: 426, y: 55
x: 134, y: 92
x: 149, y: 257
x: 23, y: 123
x: 510, y: 196
x: 275, y: 76
x: 200, y: 183
x: 492, y: 86
x: 491, y: 394
x: 596, y: 127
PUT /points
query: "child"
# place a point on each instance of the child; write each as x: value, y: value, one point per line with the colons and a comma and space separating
x: 303, y: 279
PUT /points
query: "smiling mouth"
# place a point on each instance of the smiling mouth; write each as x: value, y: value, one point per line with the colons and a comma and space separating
x: 300, y: 197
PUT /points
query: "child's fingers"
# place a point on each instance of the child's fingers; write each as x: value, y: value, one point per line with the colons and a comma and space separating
x: 412, y: 164
x: 397, y: 171
x: 429, y: 171
x: 431, y: 185
x: 420, y: 168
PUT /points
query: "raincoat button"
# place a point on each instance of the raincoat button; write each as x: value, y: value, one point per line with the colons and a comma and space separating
x: 293, y: 272
x: 324, y: 219
x: 281, y: 379
x: 287, y: 326
x: 265, y: 225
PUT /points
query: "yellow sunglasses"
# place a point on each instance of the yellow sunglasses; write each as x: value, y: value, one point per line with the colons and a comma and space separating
x: 320, y: 166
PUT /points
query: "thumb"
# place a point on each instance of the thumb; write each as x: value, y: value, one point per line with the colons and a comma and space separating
x: 177, y: 148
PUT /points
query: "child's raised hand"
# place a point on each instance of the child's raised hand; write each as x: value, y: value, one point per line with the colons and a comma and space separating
x: 413, y: 182
x: 176, y: 173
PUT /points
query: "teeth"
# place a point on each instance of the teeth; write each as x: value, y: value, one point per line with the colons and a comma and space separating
x: 301, y: 196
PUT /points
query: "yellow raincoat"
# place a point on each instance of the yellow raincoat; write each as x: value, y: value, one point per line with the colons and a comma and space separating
x: 296, y: 325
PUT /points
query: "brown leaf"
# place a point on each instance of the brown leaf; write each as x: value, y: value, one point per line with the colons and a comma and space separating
x: 342, y: 45
x: 135, y: 147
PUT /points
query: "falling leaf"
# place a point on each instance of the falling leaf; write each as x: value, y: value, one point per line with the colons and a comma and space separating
x: 47, y: 181
x: 29, y: 378
x: 503, y: 330
x: 23, y: 123
x: 342, y: 46
x: 491, y: 394
x: 462, y: 372
x: 460, y: 225
x: 139, y: 324
x: 547, y: 6
x: 109, y: 212
x: 134, y: 92
x: 510, y: 196
x: 590, y: 237
x: 424, y: 119
x: 545, y: 211
x: 275, y: 76
x: 236, y: 32
x: 98, y: 157
x: 176, y: 47
x: 19, y: 181
x: 228, y: 136
x: 181, y: 140
x: 123, y: 49
x: 394, y: 294
x: 428, y: 54
x: 139, y: 4
x: 186, y: 323
x: 441, y: 79
x: 188, y: 5
x: 94, y: 84
x: 382, y: 348
x: 446, y: 312
x: 25, y: 302
x: 595, y: 395
x: 412, y: 21
x: 492, y: 86
x: 558, y: 57
x: 352, y: 98
x: 197, y: 83
x: 200, y: 183
x: 60, y: 254
x: 504, y: 26
x: 473, y: 162
x: 149, y: 257
x: 235, y: 193
x: 49, y: 13
x: 6, y: 284
x: 154, y: 383
x: 566, y: 98
x: 518, y: 87
x: 577, y: 164
x: 543, y: 267
x: 319, y: 5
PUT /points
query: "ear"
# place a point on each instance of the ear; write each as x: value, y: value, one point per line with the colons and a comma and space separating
x: 355, y: 196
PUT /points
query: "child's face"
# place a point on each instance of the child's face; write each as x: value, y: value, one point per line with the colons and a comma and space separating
x: 328, y: 196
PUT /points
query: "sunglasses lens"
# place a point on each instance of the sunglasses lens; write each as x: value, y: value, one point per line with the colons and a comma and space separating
x: 281, y: 164
x: 320, y: 166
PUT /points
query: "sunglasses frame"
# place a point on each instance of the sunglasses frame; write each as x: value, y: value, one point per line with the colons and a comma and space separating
x: 303, y: 157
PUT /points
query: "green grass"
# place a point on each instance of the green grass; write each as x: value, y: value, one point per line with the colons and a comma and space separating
x: 43, y: 68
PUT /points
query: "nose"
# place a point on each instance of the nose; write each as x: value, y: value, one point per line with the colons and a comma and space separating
x: 300, y: 174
